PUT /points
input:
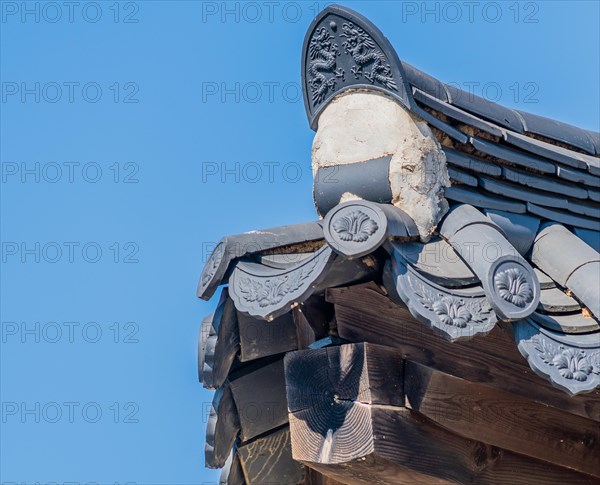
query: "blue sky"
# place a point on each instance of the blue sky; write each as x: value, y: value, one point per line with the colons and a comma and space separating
x: 133, y: 136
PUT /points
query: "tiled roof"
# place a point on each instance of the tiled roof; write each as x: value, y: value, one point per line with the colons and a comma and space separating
x: 516, y: 171
x: 485, y: 267
x: 519, y: 248
x: 526, y: 184
x: 498, y: 158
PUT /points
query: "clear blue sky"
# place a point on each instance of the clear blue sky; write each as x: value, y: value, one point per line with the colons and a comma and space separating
x: 83, y: 249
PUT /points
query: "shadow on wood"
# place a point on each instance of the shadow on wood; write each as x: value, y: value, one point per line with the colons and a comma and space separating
x: 347, y: 421
x: 502, y: 419
x: 365, y: 314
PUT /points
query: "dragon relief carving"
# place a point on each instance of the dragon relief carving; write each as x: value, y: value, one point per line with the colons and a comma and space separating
x: 364, y: 51
x: 451, y: 310
x: 271, y: 291
x: 355, y: 226
x: 322, y: 68
x: 513, y: 287
x: 571, y: 363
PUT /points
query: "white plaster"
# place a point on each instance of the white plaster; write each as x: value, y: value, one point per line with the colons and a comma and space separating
x: 363, y: 125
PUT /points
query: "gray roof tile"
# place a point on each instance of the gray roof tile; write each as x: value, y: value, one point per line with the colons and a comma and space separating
x: 513, y: 156
x: 594, y: 195
x: 564, y: 217
x: 441, y: 125
x: 213, y: 363
x: 329, y: 29
x: 457, y: 113
x: 554, y: 300
x: 519, y: 229
x: 508, y: 280
x: 356, y: 228
x: 570, y: 262
x: 557, y: 130
x: 578, y: 177
x: 574, y: 323
x: 592, y: 163
x: 595, y: 137
x: 517, y: 123
x: 368, y: 180
x: 543, y: 348
x: 584, y: 208
x: 438, y: 261
x: 544, y: 183
x: 250, y: 282
x: 545, y: 280
x: 591, y: 238
x: 474, y: 164
x: 521, y: 193
x: 479, y: 199
x: 547, y: 150
x: 230, y: 248
x: 486, y: 109
x: 584, y: 283
x: 426, y: 83
x: 423, y: 297
x: 461, y: 177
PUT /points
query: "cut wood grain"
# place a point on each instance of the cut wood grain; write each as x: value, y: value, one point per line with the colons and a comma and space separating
x: 346, y: 424
x: 373, y: 372
x: 363, y: 314
x: 486, y: 414
x: 324, y: 384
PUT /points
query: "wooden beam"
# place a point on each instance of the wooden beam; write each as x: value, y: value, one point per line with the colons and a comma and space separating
x: 324, y: 384
x: 313, y: 477
x: 502, y: 419
x: 346, y: 424
x: 304, y: 331
x: 260, y: 338
x: 232, y: 473
x: 364, y: 314
x: 262, y: 470
x: 229, y: 339
x: 312, y: 318
x: 268, y: 460
x: 370, y: 300
x: 373, y: 469
x: 251, y: 404
x: 260, y: 400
